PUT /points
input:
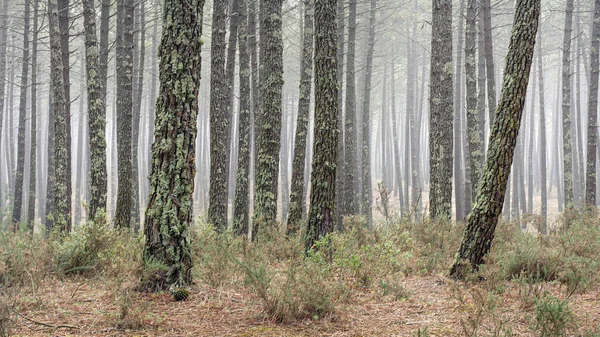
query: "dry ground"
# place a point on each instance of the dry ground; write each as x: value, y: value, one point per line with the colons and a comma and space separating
x: 445, y: 308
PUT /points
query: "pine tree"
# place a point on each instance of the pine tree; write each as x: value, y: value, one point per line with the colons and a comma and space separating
x: 169, y: 211
x: 297, y: 197
x: 566, y: 105
x: 441, y: 112
x: 124, y: 112
x: 321, y: 217
x: 97, y: 115
x: 592, y: 141
x: 482, y: 221
x: 33, y: 174
x: 3, y: 44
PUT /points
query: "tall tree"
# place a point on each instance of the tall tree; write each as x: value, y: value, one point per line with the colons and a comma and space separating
x: 489, y: 58
x: 241, y: 216
x: 19, y: 178
x: 268, y: 142
x: 441, y: 112
x: 339, y: 182
x: 482, y: 221
x: 566, y: 105
x: 64, y: 26
x: 33, y: 139
x: 348, y: 192
x: 96, y: 116
x: 474, y: 132
x: 590, y: 179
x: 230, y: 75
x: 321, y: 218
x: 61, y: 210
x: 3, y: 53
x: 124, y: 112
x: 366, y: 198
x: 459, y: 183
x: 219, y: 121
x: 169, y: 211
x: 297, y: 198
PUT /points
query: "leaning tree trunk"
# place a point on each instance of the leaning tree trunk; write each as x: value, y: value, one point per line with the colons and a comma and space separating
x: 482, y: 221
x: 96, y: 117
x: 366, y: 196
x: 441, y: 112
x: 124, y: 113
x: 33, y: 99
x: 474, y: 131
x: 590, y: 179
x: 241, y: 209
x: 219, y: 121
x: 19, y: 176
x: 566, y: 106
x: 169, y: 211
x: 297, y: 198
x: 268, y: 142
x: 321, y: 218
x: 61, y: 210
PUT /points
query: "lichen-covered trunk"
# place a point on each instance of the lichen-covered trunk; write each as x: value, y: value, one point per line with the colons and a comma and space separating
x: 482, y: 221
x: 64, y: 23
x: 441, y: 112
x: 489, y: 59
x: 61, y: 210
x: 169, y: 211
x: 97, y: 116
x: 297, y: 197
x: 268, y: 142
x: 592, y: 140
x: 19, y: 173
x: 366, y: 195
x: 124, y: 46
x: 219, y: 121
x: 348, y: 189
x: 321, y: 217
x: 474, y: 130
x: 566, y: 105
x: 33, y: 174
x: 241, y: 210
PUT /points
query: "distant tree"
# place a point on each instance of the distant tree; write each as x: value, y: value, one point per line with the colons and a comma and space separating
x: 61, y: 211
x: 489, y: 58
x: 297, y: 197
x: 19, y: 178
x: 169, y: 211
x: 3, y: 44
x: 124, y: 65
x: 321, y: 218
x: 482, y: 221
x: 268, y: 142
x: 441, y: 112
x: 97, y: 115
x: 592, y: 141
x: 33, y: 173
x: 340, y: 147
x: 219, y: 121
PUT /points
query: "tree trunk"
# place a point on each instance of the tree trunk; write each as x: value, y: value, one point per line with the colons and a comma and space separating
x: 241, y: 211
x: 64, y: 26
x: 219, y: 121
x: 321, y: 218
x: 268, y: 142
x: 339, y: 178
x: 441, y: 112
x: 124, y: 113
x: 170, y: 205
x: 3, y: 53
x: 19, y: 176
x: 396, y: 136
x: 566, y: 106
x: 459, y: 183
x: 489, y: 59
x: 297, y: 198
x: 478, y: 236
x: 590, y: 181
x: 543, y: 161
x: 33, y: 147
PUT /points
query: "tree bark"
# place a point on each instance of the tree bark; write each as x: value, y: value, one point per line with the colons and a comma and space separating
x: 590, y: 181
x: 33, y: 138
x: 482, y: 221
x: 459, y: 181
x: 566, y: 106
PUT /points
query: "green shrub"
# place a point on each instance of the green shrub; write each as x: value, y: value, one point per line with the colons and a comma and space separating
x: 553, y: 317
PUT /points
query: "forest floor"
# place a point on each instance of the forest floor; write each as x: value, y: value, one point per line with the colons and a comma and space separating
x: 436, y: 305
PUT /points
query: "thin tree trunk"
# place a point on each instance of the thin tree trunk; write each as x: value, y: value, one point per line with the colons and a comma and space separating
x: 566, y: 106
x: 590, y: 181
x: 489, y: 59
x: 3, y: 53
x: 459, y: 183
x: 339, y: 178
x: 33, y: 147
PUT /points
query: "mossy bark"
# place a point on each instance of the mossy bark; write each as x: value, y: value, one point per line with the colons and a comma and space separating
x: 592, y: 141
x: 169, y: 211
x: 124, y: 46
x: 441, y: 112
x: 241, y: 216
x: 97, y: 116
x: 321, y: 218
x: 566, y: 105
x: 219, y: 121
x: 61, y: 210
x: 482, y: 221
x: 297, y: 197
x: 268, y: 142
x: 19, y: 173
